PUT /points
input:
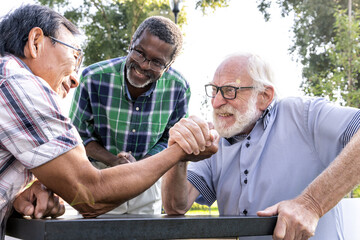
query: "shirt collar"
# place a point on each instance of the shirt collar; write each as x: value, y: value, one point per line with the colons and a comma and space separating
x: 19, y: 61
x: 265, y: 117
x: 128, y: 95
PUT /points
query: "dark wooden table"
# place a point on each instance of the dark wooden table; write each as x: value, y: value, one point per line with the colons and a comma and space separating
x: 140, y: 227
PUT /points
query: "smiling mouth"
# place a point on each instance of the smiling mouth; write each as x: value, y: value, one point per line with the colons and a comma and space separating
x: 139, y: 73
x: 66, y: 88
x: 225, y: 114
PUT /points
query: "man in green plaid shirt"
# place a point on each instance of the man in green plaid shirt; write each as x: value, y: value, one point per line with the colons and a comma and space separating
x: 124, y: 107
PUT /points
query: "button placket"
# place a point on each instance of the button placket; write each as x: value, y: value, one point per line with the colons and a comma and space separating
x: 246, y: 173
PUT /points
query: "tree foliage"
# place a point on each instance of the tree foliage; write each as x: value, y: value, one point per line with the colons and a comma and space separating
x: 340, y: 82
x: 109, y: 24
x: 325, y: 45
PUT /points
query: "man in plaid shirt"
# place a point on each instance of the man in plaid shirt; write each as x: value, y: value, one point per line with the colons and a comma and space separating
x: 126, y: 106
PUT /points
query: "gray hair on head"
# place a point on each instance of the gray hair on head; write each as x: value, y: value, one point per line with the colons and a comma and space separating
x: 163, y: 28
x: 260, y: 72
x: 258, y: 69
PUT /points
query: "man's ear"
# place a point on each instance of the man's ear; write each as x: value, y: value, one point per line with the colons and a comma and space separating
x: 265, y: 98
x: 35, y: 43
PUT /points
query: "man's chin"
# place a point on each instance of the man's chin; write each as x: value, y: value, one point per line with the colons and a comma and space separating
x: 141, y: 84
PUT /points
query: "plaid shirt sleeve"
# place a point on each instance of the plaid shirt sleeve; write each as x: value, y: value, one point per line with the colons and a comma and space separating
x: 181, y: 110
x: 34, y: 130
x: 81, y: 112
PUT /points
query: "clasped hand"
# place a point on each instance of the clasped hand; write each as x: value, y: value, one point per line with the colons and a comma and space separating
x: 38, y: 202
x: 196, y: 137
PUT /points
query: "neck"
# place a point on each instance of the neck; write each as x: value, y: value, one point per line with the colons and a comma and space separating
x: 136, y: 92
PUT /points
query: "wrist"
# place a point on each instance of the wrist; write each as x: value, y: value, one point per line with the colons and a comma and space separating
x: 309, y: 202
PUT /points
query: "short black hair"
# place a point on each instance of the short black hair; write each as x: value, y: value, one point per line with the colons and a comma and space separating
x: 163, y: 28
x: 16, y: 25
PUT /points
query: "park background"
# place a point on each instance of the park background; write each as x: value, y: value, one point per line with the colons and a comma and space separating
x: 211, y: 35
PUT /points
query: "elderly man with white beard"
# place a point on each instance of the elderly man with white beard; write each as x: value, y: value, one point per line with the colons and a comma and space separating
x: 270, y: 151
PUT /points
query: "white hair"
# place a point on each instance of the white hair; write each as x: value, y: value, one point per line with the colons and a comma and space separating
x: 259, y: 70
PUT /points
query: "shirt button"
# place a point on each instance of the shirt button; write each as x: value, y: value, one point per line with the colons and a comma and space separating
x: 133, y: 130
x: 247, y: 145
x: 246, y: 172
x: 248, y: 138
x: 245, y: 181
x: 245, y: 211
x: 137, y: 108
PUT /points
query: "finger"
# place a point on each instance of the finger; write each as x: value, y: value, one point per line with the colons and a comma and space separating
x: 200, y: 134
x: 22, y: 204
x: 211, y: 125
x: 300, y: 236
x: 177, y: 137
x: 280, y: 230
x: 60, y: 212
x: 55, y: 207
x: 58, y: 209
x: 205, y: 129
x: 270, y: 211
x: 215, y: 137
x: 123, y: 154
x: 44, y: 203
x: 131, y: 158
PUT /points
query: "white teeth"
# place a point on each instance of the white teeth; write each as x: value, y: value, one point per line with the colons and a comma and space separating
x: 224, y: 114
x: 137, y: 71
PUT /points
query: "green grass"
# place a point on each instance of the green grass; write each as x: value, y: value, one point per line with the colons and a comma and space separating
x: 198, y: 209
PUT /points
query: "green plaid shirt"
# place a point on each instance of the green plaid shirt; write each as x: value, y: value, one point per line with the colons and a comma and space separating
x: 102, y: 109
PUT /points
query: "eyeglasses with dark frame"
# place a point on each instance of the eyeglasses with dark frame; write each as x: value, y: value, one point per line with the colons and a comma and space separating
x: 154, y: 64
x: 80, y: 54
x: 228, y: 92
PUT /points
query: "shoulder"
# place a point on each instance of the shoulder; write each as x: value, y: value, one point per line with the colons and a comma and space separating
x: 302, y: 103
x: 104, y: 67
x: 172, y: 77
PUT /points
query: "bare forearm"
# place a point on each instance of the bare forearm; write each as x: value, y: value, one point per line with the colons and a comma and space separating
x: 99, y: 153
x: 95, y: 192
x: 175, y: 190
x: 338, y: 179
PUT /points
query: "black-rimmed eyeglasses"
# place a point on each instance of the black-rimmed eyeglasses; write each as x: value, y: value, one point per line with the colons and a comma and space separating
x: 228, y: 92
x: 79, y: 53
x: 155, y: 65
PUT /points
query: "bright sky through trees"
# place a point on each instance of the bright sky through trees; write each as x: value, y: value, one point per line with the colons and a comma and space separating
x: 239, y: 27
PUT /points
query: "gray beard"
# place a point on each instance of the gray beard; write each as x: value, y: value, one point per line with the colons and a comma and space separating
x: 132, y: 83
x: 243, y: 121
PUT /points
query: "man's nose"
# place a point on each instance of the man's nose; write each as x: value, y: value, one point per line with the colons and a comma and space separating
x: 145, y: 64
x: 218, y: 100
x: 74, y: 80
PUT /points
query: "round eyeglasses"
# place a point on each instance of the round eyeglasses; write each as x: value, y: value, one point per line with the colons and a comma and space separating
x: 228, y: 92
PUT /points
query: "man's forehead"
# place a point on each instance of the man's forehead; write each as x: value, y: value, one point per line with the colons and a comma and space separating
x: 230, y: 77
x: 65, y: 35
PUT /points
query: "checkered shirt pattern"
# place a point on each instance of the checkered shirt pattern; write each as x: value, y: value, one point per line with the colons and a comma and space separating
x: 103, y: 111
x: 32, y: 129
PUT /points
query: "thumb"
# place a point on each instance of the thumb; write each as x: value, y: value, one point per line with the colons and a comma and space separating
x: 214, y: 135
x: 268, y: 212
x: 24, y: 206
x: 171, y: 142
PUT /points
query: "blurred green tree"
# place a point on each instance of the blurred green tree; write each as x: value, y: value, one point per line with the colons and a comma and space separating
x: 109, y: 24
x: 325, y: 44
